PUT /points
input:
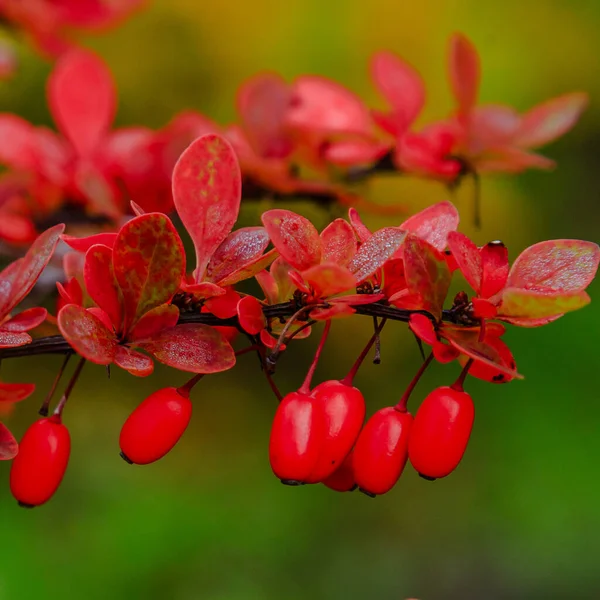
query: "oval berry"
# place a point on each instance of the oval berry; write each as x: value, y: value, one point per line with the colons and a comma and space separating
x: 38, y: 468
x: 342, y: 479
x: 441, y: 432
x: 155, y: 426
x: 381, y: 451
x: 296, y: 438
x: 343, y: 408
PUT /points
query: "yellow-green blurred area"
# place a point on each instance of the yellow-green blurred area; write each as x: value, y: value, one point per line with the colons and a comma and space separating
x: 519, y: 519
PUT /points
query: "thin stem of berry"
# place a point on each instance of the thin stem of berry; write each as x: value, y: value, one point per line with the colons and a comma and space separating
x: 273, y: 385
x: 305, y: 387
x: 186, y: 388
x: 377, y: 357
x: 349, y: 379
x: 458, y: 385
x: 61, y: 404
x: 402, y: 405
x: 46, y: 404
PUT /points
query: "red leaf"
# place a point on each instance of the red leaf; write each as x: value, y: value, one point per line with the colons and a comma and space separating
x: 531, y: 322
x: 191, y: 347
x: 18, y: 278
x: 427, y: 274
x: 360, y: 229
x: 335, y: 311
x: 154, y: 321
x: 104, y: 318
x: 434, y: 224
x: 294, y: 237
x: 464, y: 71
x: 85, y: 243
x: 250, y: 269
x: 82, y: 99
x: 400, y: 85
x: 488, y: 373
x: 18, y: 149
x: 375, y: 251
x: 15, y: 392
x: 240, y: 248
x: 224, y: 306
x: 423, y: 328
x: 551, y: 119
x: 555, y: 266
x: 135, y: 362
x: 520, y: 303
x: 250, y: 315
x: 207, y: 191
x: 87, y: 334
x: 101, y: 284
x: 26, y: 320
x: 466, y: 255
x: 328, y: 279
x: 280, y: 272
x: 357, y: 299
x: 8, y: 445
x: 8, y: 339
x: 338, y: 242
x: 149, y: 263
x: 268, y: 286
x: 494, y: 259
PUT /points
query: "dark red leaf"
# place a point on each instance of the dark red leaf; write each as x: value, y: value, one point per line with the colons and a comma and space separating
x: 15, y: 392
x: 101, y: 284
x: 154, y: 321
x: 375, y: 251
x: 207, y: 192
x: 468, y: 258
x: 250, y: 315
x: 26, y: 320
x: 294, y: 237
x: 488, y: 373
x: 555, y: 266
x: 191, y: 347
x: 224, y: 306
x: 494, y: 259
x: 85, y: 243
x: 434, y: 224
x: 87, y: 334
x: 426, y: 273
x: 338, y: 242
x: 149, y: 263
x: 135, y: 362
x: 19, y: 277
x: 82, y: 99
x: 8, y: 445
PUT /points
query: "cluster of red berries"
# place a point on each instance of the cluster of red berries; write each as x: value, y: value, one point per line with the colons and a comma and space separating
x: 318, y: 437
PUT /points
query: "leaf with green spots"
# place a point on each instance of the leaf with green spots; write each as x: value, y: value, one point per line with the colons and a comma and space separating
x: 528, y: 304
x: 426, y: 273
x: 149, y: 263
x: 207, y: 189
x: 87, y: 334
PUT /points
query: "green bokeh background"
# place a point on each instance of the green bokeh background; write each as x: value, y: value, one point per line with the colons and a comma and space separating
x: 520, y: 518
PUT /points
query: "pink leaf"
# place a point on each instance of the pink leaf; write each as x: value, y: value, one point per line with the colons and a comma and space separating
x: 8, y: 445
x: 101, y: 284
x: 82, y: 99
x: 464, y: 72
x: 434, y: 224
x: 555, y: 266
x: 466, y: 255
x: 17, y: 280
x: 349, y: 153
x: 250, y: 269
x: 338, y: 242
x: 494, y: 258
x: 149, y: 263
x: 87, y: 334
x: 373, y: 253
x: 427, y: 274
x: 135, y: 362
x: 9, y: 339
x: 294, y: 237
x: 207, y: 192
x: 328, y: 279
x: 26, y: 320
x: 154, y: 321
x: 518, y: 303
x: 85, y: 243
x: 400, y: 85
x: 250, y: 315
x: 549, y: 120
x: 191, y: 347
x: 15, y: 392
x: 236, y: 251
x: 360, y: 229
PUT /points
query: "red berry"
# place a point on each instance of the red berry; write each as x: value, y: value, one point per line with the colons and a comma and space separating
x: 381, y: 451
x: 441, y: 432
x: 155, y: 426
x: 40, y: 465
x: 296, y: 438
x: 344, y: 409
x: 342, y: 479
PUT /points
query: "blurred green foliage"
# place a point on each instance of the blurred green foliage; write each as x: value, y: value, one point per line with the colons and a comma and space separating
x: 518, y: 520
